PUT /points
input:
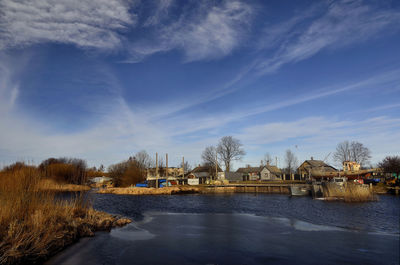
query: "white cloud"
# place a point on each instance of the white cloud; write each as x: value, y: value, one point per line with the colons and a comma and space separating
x: 344, y: 23
x: 87, y: 24
x: 205, y: 33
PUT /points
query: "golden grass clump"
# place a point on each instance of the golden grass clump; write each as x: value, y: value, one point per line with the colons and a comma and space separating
x: 358, y: 193
x: 34, y: 224
x: 349, y: 192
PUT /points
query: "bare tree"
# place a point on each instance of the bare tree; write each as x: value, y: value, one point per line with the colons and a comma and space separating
x: 209, y: 156
x: 352, y: 151
x: 229, y: 149
x: 161, y: 163
x: 391, y: 164
x: 267, y: 159
x: 188, y: 167
x: 291, y: 161
x: 143, y: 159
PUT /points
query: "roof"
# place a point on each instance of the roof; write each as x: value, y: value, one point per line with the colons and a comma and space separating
x: 273, y: 169
x: 246, y: 170
x: 233, y: 176
x: 205, y: 169
x: 319, y: 164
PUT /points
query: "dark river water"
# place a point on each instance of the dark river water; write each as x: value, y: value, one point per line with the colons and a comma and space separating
x: 241, y: 229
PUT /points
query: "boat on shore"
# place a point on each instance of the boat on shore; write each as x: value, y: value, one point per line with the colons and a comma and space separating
x: 299, y: 191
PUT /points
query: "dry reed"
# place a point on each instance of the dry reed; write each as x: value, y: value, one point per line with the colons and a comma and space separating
x: 34, y: 224
x: 349, y: 192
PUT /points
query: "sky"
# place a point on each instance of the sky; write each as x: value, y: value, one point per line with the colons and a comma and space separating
x: 104, y: 79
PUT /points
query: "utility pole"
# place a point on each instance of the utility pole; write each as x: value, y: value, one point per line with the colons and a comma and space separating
x: 166, y: 171
x: 216, y: 164
x: 156, y: 164
x: 183, y: 168
x: 156, y: 170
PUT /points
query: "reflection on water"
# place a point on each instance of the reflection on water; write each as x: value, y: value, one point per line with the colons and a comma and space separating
x: 241, y: 229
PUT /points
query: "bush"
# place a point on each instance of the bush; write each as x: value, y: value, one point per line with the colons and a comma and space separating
x: 127, y: 173
x: 65, y: 170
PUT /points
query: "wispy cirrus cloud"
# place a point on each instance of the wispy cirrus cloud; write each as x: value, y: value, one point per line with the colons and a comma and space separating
x: 8, y: 90
x: 318, y: 136
x: 208, y: 32
x: 86, y: 24
x: 192, y: 124
x: 161, y: 8
x: 342, y: 24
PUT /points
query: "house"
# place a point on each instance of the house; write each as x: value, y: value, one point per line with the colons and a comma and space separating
x: 172, y: 171
x: 250, y: 173
x: 270, y: 172
x: 207, y: 171
x: 200, y: 174
x: 231, y: 176
x: 267, y: 172
x: 315, y: 168
x: 100, y: 180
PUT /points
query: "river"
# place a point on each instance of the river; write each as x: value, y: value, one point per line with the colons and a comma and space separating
x: 241, y: 229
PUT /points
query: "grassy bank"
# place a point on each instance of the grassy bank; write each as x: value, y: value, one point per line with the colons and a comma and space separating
x: 203, y: 189
x: 151, y: 191
x: 51, y: 185
x: 35, y: 225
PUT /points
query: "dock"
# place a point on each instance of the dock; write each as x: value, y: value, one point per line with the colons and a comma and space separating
x: 278, y: 188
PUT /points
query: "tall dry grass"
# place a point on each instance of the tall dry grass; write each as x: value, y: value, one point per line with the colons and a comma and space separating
x: 34, y: 224
x: 358, y: 193
x: 349, y: 192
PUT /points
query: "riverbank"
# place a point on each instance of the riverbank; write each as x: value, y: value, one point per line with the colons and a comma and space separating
x: 44, y: 238
x: 51, y: 185
x: 151, y: 191
x: 201, y: 189
x: 35, y: 224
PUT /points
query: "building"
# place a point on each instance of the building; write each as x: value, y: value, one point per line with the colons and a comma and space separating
x: 315, y: 168
x: 207, y: 171
x: 270, y: 172
x: 101, y: 180
x: 231, y: 176
x: 250, y: 173
x: 267, y: 172
x: 172, y: 171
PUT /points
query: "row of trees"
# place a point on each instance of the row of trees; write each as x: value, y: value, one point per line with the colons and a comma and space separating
x: 345, y: 151
x: 230, y: 149
x: 62, y: 170
x: 65, y: 170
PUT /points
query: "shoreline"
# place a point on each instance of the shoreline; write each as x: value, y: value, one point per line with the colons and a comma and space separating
x: 50, y: 185
x: 201, y: 189
x: 82, y: 224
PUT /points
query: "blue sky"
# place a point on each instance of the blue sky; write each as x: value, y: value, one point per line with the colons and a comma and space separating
x: 103, y: 79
